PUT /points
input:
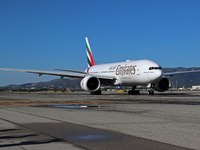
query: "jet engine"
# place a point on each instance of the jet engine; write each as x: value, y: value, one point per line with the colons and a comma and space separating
x: 162, y: 85
x: 90, y: 83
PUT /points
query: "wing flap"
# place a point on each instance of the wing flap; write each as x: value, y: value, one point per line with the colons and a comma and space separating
x: 71, y: 71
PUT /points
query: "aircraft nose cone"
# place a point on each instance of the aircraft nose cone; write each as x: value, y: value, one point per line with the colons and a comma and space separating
x: 156, y: 76
x: 159, y: 74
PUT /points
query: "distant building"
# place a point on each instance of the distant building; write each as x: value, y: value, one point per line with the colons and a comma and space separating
x: 196, y: 87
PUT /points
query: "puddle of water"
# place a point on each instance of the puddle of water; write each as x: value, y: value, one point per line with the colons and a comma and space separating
x: 74, y: 106
x: 178, y: 102
x: 65, y: 106
x: 91, y: 137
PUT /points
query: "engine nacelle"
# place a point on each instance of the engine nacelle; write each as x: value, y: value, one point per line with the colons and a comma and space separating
x: 90, y: 83
x: 162, y: 85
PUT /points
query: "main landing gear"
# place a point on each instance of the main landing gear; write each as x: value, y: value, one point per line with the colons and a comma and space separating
x: 133, y: 91
x: 151, y: 92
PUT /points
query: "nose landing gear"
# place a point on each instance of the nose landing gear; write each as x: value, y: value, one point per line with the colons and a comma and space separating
x: 151, y: 92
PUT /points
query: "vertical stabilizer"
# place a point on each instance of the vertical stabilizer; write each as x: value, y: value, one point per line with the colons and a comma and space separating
x: 89, y: 54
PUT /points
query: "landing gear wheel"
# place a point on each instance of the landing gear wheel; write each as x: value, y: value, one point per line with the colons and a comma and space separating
x: 98, y: 92
x: 133, y: 92
x: 150, y: 92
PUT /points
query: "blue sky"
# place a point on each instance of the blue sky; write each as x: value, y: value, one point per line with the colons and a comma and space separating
x: 47, y: 34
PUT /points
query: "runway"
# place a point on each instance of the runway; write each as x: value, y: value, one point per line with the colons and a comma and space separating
x: 111, y: 121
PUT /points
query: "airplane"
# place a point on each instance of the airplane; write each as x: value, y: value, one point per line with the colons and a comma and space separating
x: 128, y: 73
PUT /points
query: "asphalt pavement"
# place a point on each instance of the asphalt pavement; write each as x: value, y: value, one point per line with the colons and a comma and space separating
x: 111, y: 121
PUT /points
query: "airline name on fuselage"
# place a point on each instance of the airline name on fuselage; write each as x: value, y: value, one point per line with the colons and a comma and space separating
x: 124, y: 70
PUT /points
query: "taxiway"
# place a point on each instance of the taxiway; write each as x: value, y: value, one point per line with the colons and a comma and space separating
x: 110, y: 121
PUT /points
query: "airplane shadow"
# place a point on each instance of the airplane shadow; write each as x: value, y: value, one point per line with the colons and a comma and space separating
x: 31, y: 143
x: 15, y: 137
x: 6, y: 130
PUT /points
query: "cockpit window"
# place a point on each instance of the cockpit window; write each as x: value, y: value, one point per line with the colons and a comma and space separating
x: 155, y: 68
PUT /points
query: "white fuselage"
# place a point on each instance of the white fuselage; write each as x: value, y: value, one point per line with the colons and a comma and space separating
x: 139, y: 72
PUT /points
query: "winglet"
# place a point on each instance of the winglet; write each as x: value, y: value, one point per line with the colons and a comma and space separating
x: 89, y: 53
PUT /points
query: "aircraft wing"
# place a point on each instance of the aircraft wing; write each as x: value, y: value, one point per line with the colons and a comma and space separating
x: 61, y: 74
x: 77, y: 74
x: 70, y: 70
x: 181, y: 72
x: 98, y: 76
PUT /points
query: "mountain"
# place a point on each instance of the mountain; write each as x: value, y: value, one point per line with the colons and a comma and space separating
x: 58, y: 84
x: 73, y: 83
x: 184, y: 79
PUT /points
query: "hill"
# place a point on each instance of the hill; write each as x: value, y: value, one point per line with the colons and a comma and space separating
x: 184, y: 79
x: 56, y: 84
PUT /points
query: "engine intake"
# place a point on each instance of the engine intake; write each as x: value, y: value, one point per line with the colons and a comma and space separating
x: 90, y: 83
x: 162, y: 85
